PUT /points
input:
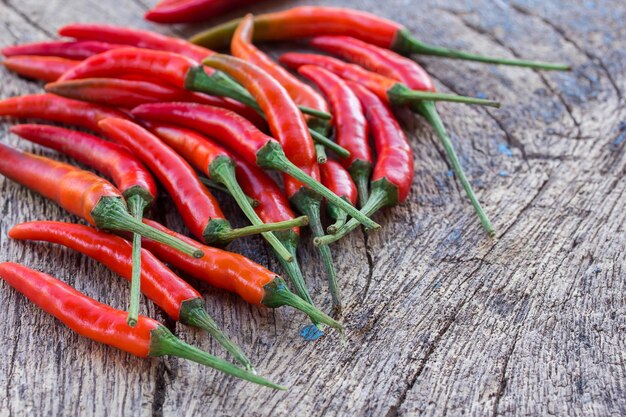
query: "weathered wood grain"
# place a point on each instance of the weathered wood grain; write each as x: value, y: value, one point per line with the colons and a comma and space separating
x: 441, y: 319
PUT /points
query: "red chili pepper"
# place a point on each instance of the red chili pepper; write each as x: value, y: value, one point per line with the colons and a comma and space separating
x: 130, y: 176
x: 301, y: 93
x: 71, y: 50
x: 339, y: 181
x: 215, y: 162
x: 107, y: 325
x: 310, y: 21
x: 411, y: 74
x: 199, y: 209
x: 388, y: 89
x: 187, y: 11
x: 170, y: 292
x: 235, y: 273
x: 350, y: 125
x: 79, y: 192
x: 58, y: 109
x: 134, y: 37
x: 127, y: 93
x: 393, y: 172
x: 44, y: 68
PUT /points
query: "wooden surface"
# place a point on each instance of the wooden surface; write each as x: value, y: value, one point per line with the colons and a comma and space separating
x: 440, y: 318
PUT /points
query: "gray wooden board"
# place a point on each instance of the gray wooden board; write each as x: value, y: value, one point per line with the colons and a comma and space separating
x: 440, y: 318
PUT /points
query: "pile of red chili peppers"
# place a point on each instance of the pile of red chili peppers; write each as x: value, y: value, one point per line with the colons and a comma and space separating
x: 165, y: 110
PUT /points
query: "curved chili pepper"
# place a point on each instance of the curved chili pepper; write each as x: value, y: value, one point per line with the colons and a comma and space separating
x: 337, y: 179
x: 170, y: 292
x: 130, y: 176
x: 44, y: 68
x: 145, y: 39
x: 71, y: 50
x: 216, y: 163
x: 393, y: 172
x: 58, y: 109
x: 188, y: 11
x: 107, y: 325
x: 199, y: 209
x: 310, y: 21
x: 235, y: 273
x: 126, y: 93
x: 350, y: 125
x: 79, y: 192
x: 388, y: 89
x: 301, y: 93
x: 411, y: 74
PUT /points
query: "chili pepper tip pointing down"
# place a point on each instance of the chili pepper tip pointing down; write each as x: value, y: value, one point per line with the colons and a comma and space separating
x: 310, y: 21
x: 107, y: 325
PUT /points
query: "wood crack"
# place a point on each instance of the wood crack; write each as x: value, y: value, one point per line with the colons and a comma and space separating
x: 28, y: 19
x: 503, y: 373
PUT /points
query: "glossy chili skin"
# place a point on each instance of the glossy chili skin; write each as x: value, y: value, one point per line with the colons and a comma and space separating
x: 194, y: 202
x: 128, y: 93
x: 223, y: 125
x: 134, y: 37
x: 285, y: 120
x: 351, y: 131
x: 158, y: 282
x: 376, y: 59
x: 75, y: 190
x: 220, y: 269
x: 338, y: 180
x: 167, y: 67
x: 301, y: 93
x: 78, y: 50
x: 80, y: 313
x: 44, y: 68
x: 306, y: 22
x: 58, y: 109
x: 113, y: 160
x: 394, y: 160
x: 188, y: 11
x: 375, y: 82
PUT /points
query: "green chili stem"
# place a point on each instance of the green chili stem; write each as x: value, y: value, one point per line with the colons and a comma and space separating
x: 400, y: 94
x: 229, y: 236
x: 320, y: 152
x: 339, y: 216
x: 216, y: 186
x: 136, y: 206
x: 329, y: 144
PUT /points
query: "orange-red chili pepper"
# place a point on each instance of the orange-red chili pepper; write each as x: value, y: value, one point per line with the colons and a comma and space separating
x: 200, y: 211
x: 170, y: 292
x: 393, y: 172
x: 310, y: 21
x: 71, y: 50
x: 44, y: 68
x: 107, y: 325
x: 80, y: 192
x: 351, y: 130
x: 216, y: 163
x: 187, y: 11
x: 411, y: 74
x: 338, y: 179
x: 235, y: 273
x: 58, y: 109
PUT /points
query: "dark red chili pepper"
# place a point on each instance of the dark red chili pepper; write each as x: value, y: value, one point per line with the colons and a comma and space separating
x: 339, y: 181
x: 350, y: 125
x: 130, y: 176
x: 310, y: 21
x: 393, y: 172
x: 216, y: 163
x: 411, y: 74
x: 170, y: 292
x: 388, y: 89
x: 107, y: 325
x: 134, y: 37
x: 235, y: 273
x: 126, y: 93
x: 58, y: 109
x: 71, y: 50
x: 187, y: 11
x: 79, y: 192
x: 301, y: 93
x: 44, y: 68
x: 198, y: 208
